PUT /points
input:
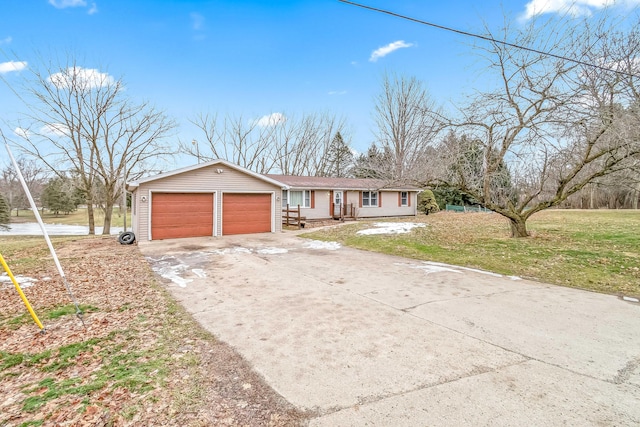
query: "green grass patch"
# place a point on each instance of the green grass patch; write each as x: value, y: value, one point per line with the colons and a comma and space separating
x: 24, y: 254
x: 9, y: 360
x: 77, y: 217
x: 54, y: 313
x: 596, y: 250
x: 120, y: 366
x: 69, y: 309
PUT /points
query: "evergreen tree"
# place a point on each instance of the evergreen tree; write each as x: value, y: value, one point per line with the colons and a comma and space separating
x: 375, y: 163
x: 427, y: 202
x: 5, y: 218
x: 473, y: 163
x: 340, y: 158
x: 58, y: 196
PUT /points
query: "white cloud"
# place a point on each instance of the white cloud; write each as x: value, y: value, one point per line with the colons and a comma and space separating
x: 22, y: 132
x: 6, y: 40
x: 197, y: 21
x: 338, y: 92
x: 62, y: 4
x: 385, y: 50
x: 271, y: 120
x: 7, y: 67
x: 88, y: 77
x: 570, y: 7
x: 55, y: 129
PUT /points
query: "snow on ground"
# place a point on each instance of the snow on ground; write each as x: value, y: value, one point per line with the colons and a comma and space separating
x: 272, y: 251
x: 318, y: 244
x: 23, y: 281
x: 33, y: 229
x: 170, y: 268
x: 199, y: 272
x: 430, y: 268
x: 229, y: 251
x: 438, y: 267
x: 440, y: 264
x: 391, y: 228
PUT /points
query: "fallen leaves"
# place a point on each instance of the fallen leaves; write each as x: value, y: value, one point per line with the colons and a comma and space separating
x: 135, y: 358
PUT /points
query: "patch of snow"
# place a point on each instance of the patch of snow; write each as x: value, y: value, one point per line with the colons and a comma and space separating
x: 514, y: 277
x: 199, y: 272
x: 319, y: 244
x: 229, y: 251
x: 430, y: 268
x: 170, y: 268
x: 176, y: 278
x: 391, y: 228
x: 272, y: 251
x: 23, y: 281
x: 475, y: 270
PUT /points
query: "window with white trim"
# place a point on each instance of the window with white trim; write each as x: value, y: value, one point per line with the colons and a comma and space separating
x: 404, y: 198
x: 296, y: 197
x: 370, y: 199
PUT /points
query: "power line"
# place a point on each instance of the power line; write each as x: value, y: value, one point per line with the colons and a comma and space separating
x: 487, y: 38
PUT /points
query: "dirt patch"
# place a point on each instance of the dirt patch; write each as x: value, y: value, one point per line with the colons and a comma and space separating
x: 138, y: 359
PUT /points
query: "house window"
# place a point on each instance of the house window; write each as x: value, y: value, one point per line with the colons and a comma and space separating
x: 296, y: 197
x: 404, y: 198
x: 370, y: 198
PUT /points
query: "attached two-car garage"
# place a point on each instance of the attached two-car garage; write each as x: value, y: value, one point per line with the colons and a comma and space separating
x: 217, y: 198
x: 178, y: 215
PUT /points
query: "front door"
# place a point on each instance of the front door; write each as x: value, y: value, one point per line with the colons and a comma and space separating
x: 337, y: 203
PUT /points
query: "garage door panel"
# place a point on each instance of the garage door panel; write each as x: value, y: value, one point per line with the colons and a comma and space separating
x: 246, y: 213
x: 178, y: 215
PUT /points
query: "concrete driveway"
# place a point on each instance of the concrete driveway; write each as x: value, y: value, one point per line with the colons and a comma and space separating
x: 364, y: 339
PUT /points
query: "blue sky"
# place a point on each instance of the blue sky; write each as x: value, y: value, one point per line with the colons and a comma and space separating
x: 257, y: 58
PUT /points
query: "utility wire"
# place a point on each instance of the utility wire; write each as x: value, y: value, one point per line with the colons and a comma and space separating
x: 487, y: 38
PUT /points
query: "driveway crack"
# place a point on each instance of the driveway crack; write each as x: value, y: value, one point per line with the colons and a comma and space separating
x: 477, y: 371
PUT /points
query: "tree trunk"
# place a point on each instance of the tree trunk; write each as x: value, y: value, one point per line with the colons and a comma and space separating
x: 636, y: 196
x: 518, y: 227
x: 92, y: 221
x: 108, y: 213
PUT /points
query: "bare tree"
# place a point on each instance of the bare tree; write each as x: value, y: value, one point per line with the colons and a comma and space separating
x: 274, y: 144
x: 557, y: 125
x: 408, y: 122
x: 34, y: 176
x: 81, y: 121
x: 246, y: 143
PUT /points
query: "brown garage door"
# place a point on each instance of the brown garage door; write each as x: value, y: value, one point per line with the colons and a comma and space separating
x: 175, y: 215
x: 246, y: 213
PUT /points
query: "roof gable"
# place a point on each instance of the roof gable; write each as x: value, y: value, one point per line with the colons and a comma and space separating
x: 135, y: 184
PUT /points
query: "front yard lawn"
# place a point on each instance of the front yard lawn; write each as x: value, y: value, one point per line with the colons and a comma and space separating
x: 598, y: 250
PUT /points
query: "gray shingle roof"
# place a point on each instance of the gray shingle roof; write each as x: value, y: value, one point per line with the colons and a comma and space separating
x: 330, y: 183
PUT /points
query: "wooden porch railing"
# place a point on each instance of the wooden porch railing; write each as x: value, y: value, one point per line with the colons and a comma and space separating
x: 291, y: 216
x: 343, y: 210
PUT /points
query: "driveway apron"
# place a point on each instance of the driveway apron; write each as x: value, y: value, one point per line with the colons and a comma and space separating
x: 359, y: 338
